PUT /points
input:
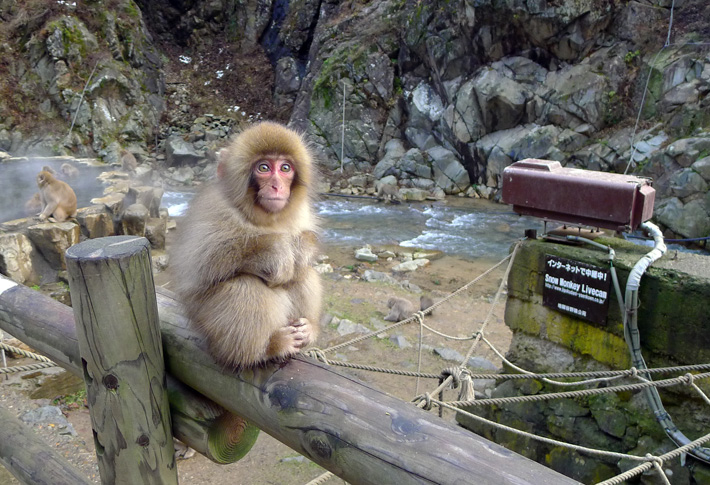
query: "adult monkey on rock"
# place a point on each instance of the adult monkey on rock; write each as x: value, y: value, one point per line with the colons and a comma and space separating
x: 128, y: 161
x: 244, y: 250
x: 57, y: 198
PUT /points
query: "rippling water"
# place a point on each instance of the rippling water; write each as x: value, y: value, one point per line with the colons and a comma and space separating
x: 478, y: 229
x: 460, y: 227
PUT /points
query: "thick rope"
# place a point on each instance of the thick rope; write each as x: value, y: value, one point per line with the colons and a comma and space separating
x: 584, y: 392
x: 612, y: 374
x: 647, y: 466
x: 511, y: 257
x: 23, y: 368
x: 24, y: 353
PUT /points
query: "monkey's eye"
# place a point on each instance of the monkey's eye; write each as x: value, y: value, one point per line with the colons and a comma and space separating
x: 263, y: 168
x: 286, y: 167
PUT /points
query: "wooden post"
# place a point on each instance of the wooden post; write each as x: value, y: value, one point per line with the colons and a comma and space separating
x: 48, y: 327
x: 113, y: 297
x: 31, y: 460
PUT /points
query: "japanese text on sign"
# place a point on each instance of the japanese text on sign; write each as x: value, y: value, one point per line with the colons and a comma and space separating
x: 577, y: 288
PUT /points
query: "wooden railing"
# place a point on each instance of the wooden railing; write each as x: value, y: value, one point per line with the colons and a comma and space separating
x: 357, y: 432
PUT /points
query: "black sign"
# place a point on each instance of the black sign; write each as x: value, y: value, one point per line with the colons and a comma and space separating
x: 576, y: 288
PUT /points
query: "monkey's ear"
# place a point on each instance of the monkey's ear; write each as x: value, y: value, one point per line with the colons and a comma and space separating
x: 220, y: 170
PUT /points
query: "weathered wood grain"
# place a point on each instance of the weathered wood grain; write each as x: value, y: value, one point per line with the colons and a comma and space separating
x: 48, y: 327
x: 357, y: 432
x: 30, y: 459
x: 113, y: 297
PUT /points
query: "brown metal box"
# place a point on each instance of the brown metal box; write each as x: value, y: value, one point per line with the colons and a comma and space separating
x: 543, y: 188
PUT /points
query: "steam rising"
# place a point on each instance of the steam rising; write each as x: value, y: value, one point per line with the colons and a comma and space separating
x: 18, y: 184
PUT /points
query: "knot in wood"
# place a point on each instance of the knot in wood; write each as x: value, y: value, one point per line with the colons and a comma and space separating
x: 320, y: 446
x: 143, y: 441
x: 111, y: 382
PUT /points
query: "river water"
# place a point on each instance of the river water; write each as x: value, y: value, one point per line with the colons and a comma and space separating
x: 465, y: 228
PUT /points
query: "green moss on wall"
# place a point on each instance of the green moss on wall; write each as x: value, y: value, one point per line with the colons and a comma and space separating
x: 672, y: 317
x: 587, y: 339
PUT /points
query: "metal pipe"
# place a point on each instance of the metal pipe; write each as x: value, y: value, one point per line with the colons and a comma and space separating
x: 633, y: 340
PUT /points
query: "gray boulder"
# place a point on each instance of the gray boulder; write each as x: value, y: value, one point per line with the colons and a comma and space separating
x: 449, y: 174
x: 16, y: 257
x: 689, y: 220
x: 134, y: 220
x: 687, y: 182
x: 178, y: 152
x: 52, y: 239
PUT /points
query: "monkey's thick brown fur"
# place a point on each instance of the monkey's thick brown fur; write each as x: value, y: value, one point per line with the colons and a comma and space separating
x: 400, y: 308
x: 57, y: 198
x: 128, y: 161
x: 244, y: 274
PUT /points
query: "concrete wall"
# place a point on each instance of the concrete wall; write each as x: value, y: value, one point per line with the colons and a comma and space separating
x: 674, y: 323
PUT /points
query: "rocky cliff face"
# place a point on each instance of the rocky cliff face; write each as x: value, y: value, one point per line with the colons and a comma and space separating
x: 465, y: 88
x: 79, y: 80
x: 438, y: 97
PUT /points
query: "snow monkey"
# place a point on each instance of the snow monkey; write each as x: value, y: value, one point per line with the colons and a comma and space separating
x: 400, y: 308
x: 69, y: 171
x: 389, y: 193
x: 128, y: 161
x: 425, y: 302
x: 244, y: 250
x: 57, y: 198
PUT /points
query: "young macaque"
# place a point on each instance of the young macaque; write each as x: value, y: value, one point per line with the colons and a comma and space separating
x: 128, y: 161
x: 400, y: 309
x: 244, y: 250
x: 389, y: 193
x: 58, y: 200
x: 33, y: 206
x: 68, y: 170
x: 49, y: 169
x: 425, y: 302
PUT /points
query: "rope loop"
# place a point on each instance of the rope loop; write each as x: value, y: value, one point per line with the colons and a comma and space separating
x: 690, y: 378
x: 419, y: 316
x: 456, y: 374
x: 656, y: 460
x: 426, y: 398
x: 634, y: 372
x: 318, y: 355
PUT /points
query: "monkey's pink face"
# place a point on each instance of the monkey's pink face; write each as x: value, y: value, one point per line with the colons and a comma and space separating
x: 273, y: 176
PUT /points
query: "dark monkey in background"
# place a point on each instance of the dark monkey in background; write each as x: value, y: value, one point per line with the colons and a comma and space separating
x: 244, y: 250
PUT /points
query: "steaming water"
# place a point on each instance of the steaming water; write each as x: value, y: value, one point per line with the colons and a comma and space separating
x: 480, y: 229
x: 18, y: 184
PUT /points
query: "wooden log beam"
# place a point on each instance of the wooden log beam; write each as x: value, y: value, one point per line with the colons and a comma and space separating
x: 30, y: 459
x: 48, y: 327
x: 357, y: 432
x: 113, y: 297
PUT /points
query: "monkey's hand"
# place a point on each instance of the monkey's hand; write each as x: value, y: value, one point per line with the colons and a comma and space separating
x: 289, y: 340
